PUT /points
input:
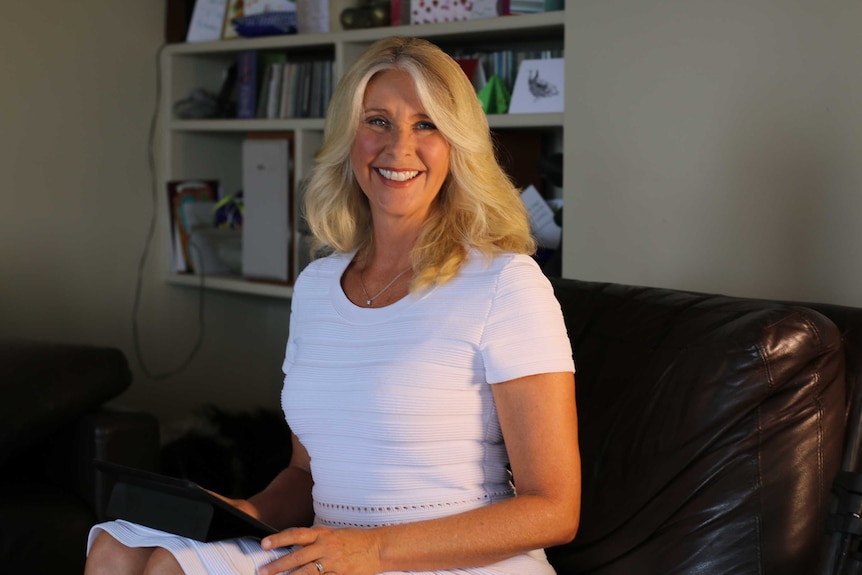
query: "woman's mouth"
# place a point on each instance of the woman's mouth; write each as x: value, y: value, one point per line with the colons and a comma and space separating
x: 397, y: 175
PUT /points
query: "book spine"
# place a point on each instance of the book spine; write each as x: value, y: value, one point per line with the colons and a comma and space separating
x: 246, y: 96
x: 273, y: 107
x: 395, y: 12
x: 263, y: 100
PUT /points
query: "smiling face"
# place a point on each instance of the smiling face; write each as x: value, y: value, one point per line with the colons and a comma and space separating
x: 399, y: 158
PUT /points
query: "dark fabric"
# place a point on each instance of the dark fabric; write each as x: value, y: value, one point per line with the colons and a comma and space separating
x: 52, y: 426
x: 45, y: 386
x: 710, y: 430
x: 42, y: 530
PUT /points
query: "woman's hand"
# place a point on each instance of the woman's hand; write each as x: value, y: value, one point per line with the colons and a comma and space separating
x: 241, y: 504
x: 335, y: 551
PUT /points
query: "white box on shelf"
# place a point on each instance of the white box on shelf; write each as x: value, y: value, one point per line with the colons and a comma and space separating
x: 266, y: 225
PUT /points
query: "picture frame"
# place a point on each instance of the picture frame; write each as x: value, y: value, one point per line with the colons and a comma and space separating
x: 539, y: 87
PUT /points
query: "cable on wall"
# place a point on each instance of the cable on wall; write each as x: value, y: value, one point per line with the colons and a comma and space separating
x: 154, y: 188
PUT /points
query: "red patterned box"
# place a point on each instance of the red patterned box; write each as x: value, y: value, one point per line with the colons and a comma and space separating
x: 430, y: 11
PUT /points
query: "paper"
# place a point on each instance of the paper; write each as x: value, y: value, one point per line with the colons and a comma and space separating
x: 548, y: 234
x: 539, y: 87
x: 203, y: 238
x: 493, y: 96
x: 207, y: 20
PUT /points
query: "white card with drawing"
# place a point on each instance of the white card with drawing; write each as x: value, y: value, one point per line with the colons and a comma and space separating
x: 538, y: 87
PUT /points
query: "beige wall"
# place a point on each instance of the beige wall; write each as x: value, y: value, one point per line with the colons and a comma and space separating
x: 76, y: 101
x: 716, y: 145
x: 712, y: 145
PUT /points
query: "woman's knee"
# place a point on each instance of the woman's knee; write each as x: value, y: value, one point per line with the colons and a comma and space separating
x: 162, y: 562
x: 109, y: 556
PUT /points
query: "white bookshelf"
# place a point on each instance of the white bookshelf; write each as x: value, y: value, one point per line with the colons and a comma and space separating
x: 211, y: 149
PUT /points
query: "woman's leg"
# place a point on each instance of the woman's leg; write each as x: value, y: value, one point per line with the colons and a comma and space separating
x: 162, y: 562
x: 108, y: 556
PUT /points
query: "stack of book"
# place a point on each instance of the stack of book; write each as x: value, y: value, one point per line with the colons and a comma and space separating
x: 270, y: 85
x: 505, y: 63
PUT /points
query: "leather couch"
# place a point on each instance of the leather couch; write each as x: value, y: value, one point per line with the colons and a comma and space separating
x: 718, y: 435
x: 53, y: 423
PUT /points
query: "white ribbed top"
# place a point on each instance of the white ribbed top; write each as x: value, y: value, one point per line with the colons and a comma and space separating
x: 394, y: 404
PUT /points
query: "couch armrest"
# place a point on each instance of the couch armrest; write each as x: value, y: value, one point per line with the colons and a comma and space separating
x: 47, y: 386
x: 121, y: 436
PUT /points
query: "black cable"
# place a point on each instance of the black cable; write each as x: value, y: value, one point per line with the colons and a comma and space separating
x: 154, y: 188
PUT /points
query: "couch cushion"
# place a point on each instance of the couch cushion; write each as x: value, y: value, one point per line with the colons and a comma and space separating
x: 45, y: 386
x: 710, y: 430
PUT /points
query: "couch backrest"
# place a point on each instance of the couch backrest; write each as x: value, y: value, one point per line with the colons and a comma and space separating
x: 711, y: 428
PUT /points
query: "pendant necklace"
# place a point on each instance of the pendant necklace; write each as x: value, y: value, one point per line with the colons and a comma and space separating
x: 370, y: 299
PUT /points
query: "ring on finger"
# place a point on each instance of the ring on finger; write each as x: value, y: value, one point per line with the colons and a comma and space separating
x: 319, y: 566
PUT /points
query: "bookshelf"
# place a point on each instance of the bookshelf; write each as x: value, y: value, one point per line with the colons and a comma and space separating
x: 211, y: 149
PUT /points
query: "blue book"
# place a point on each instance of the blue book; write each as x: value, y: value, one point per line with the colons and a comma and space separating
x: 246, y: 87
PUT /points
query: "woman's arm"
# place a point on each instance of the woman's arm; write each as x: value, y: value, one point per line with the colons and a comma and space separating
x: 286, y: 501
x: 539, y: 423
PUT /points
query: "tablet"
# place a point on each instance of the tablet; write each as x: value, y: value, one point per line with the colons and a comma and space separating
x: 176, y: 505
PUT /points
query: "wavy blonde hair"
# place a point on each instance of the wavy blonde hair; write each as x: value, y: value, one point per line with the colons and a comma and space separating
x: 477, y: 207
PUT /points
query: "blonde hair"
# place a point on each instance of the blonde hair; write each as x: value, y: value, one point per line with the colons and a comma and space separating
x: 477, y: 207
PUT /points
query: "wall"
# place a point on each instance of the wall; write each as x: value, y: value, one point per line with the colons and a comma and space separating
x: 76, y: 103
x: 715, y: 146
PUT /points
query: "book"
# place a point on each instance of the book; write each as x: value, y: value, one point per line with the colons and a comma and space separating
x: 268, y: 62
x: 287, y: 79
x: 474, y: 70
x: 181, y: 192
x: 273, y: 105
x: 246, y: 88
x: 399, y: 12
x: 263, y: 99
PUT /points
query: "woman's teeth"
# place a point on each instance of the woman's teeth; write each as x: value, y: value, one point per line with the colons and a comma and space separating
x: 397, y: 176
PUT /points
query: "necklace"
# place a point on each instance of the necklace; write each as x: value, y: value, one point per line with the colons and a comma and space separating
x: 369, y: 299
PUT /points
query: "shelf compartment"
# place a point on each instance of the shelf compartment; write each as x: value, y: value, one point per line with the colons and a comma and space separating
x: 231, y: 284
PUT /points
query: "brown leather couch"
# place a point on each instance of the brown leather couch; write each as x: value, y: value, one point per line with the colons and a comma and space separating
x: 718, y: 435
x: 53, y: 423
x: 712, y: 431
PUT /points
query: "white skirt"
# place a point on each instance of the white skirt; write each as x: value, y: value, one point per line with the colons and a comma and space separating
x: 229, y: 557
x: 245, y: 556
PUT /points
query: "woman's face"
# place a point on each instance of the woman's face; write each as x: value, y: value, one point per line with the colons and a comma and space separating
x: 399, y: 158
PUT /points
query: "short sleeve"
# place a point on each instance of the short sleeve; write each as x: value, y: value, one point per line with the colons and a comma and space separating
x: 525, y: 333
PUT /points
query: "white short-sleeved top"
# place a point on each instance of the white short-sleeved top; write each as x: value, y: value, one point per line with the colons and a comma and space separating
x: 394, y: 404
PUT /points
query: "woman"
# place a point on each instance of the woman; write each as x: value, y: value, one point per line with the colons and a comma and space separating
x: 426, y: 357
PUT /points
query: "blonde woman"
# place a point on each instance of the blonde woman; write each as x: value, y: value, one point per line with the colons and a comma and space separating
x: 429, y: 382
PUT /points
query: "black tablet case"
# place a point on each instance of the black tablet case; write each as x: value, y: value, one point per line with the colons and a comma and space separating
x: 176, y: 505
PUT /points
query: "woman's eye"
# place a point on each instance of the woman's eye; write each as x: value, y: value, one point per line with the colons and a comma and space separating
x: 377, y: 121
x: 426, y: 126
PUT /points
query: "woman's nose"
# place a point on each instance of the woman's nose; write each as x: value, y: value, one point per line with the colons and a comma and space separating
x: 402, y: 141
